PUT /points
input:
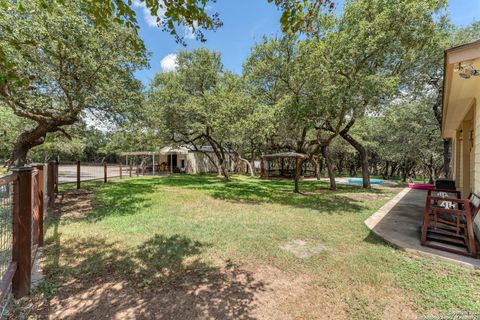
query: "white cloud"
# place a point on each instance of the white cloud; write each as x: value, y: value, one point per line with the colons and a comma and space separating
x: 169, y: 62
x: 149, y: 19
x: 189, y: 33
x: 152, y: 20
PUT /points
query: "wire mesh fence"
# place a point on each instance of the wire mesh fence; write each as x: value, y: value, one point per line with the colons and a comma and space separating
x: 6, y: 235
x: 72, y: 171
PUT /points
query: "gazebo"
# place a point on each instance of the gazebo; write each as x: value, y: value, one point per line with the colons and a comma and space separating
x: 131, y: 158
x: 280, y: 164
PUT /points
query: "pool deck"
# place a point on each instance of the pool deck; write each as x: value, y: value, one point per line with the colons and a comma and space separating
x: 399, y: 223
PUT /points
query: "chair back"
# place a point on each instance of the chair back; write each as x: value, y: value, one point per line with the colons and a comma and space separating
x: 474, y: 203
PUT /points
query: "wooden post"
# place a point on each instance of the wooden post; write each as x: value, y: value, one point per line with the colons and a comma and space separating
x: 22, y: 230
x: 56, y: 177
x: 153, y: 164
x: 261, y: 167
x: 51, y: 184
x: 105, y: 172
x: 143, y: 165
x: 138, y: 169
x: 131, y: 165
x: 40, y: 201
x: 78, y: 174
x: 120, y: 171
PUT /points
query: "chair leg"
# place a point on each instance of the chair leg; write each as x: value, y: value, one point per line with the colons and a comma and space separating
x: 426, y: 222
x: 472, y: 246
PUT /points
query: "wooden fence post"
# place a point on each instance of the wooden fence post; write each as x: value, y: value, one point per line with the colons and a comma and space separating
x: 120, y: 171
x: 51, y: 184
x: 56, y: 177
x: 22, y: 230
x: 78, y: 174
x: 105, y: 172
x: 40, y: 202
x: 138, y: 169
x: 261, y: 167
x: 153, y: 164
x: 131, y: 168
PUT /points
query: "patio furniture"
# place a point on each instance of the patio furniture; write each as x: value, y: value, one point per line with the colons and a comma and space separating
x: 445, y: 184
x: 448, y: 222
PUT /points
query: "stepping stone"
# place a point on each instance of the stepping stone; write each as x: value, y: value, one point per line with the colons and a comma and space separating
x: 302, y: 249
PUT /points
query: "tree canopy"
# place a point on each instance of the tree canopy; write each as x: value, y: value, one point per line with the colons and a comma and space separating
x: 62, y: 69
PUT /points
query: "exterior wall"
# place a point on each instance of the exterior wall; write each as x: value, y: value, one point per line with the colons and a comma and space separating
x: 476, y: 167
x: 195, y: 162
x: 466, y: 150
x: 198, y: 162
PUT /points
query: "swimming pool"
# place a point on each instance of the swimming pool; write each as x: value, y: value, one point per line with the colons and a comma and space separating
x: 359, y: 181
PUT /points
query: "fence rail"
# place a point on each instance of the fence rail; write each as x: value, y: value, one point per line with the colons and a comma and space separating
x: 22, y: 214
x: 25, y: 194
x: 77, y: 172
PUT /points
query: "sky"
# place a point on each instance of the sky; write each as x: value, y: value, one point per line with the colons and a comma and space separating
x: 245, y: 23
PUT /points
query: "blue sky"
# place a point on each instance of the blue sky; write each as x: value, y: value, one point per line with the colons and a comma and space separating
x: 245, y: 23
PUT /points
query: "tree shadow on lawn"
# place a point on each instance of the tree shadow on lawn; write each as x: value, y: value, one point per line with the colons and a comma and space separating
x: 315, y: 195
x: 121, y: 198
x: 129, y: 196
x: 163, y: 278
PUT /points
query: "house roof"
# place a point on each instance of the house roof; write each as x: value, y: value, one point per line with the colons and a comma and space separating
x: 140, y: 153
x: 458, y: 93
x: 173, y: 149
x: 285, y: 155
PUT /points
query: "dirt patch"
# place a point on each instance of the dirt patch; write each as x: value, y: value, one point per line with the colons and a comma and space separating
x: 230, y: 292
x: 73, y: 204
x: 302, y: 248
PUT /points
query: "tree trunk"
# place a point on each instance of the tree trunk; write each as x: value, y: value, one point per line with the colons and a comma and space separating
x: 26, y: 141
x: 316, y: 163
x: 362, y: 151
x: 328, y: 162
x: 223, y: 171
x: 393, y: 169
x: 298, y: 166
x: 249, y: 166
x: 385, y: 170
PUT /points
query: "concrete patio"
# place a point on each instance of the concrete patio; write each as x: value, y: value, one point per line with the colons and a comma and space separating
x: 399, y: 223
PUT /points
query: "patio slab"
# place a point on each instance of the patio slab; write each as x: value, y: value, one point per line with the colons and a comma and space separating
x: 399, y: 223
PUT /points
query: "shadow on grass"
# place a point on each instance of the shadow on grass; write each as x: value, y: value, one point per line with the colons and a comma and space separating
x: 163, y: 278
x: 374, y: 239
x: 315, y: 194
x: 130, y: 196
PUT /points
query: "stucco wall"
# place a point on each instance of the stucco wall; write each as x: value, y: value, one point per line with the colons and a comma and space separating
x: 476, y: 173
x: 198, y: 162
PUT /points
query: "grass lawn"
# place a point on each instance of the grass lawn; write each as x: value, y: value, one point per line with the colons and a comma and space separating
x: 193, y: 246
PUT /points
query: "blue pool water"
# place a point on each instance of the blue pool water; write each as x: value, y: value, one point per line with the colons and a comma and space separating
x: 359, y: 181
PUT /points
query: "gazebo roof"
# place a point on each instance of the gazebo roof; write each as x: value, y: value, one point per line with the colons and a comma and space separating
x: 286, y: 155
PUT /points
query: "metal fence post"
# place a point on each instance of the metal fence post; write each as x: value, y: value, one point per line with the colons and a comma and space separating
x: 105, y: 172
x: 51, y: 184
x: 40, y: 202
x: 22, y: 230
x: 78, y: 174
